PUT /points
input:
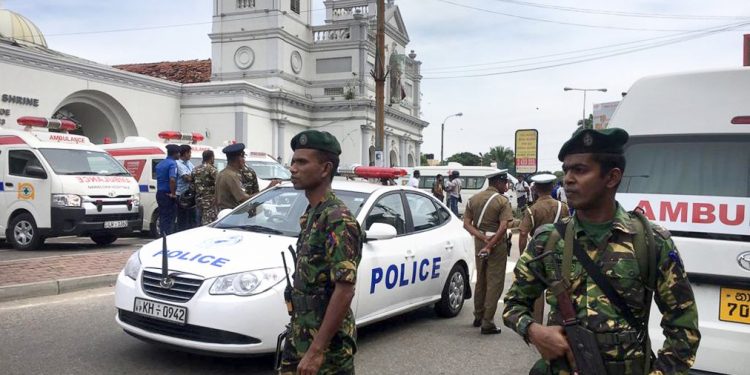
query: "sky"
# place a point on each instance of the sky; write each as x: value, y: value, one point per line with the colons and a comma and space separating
x: 509, y: 60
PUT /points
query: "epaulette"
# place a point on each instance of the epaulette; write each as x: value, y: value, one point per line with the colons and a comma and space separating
x: 663, y: 232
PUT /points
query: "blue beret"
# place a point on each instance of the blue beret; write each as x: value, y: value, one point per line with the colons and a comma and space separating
x: 591, y: 141
x: 172, y: 149
x: 317, y: 140
x: 234, y: 149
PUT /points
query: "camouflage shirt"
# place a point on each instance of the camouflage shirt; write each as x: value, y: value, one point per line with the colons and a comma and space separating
x: 249, y: 181
x: 204, y: 178
x: 329, y: 249
x: 673, y: 295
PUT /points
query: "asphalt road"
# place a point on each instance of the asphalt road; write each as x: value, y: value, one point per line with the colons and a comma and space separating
x: 76, y: 334
x: 70, y: 246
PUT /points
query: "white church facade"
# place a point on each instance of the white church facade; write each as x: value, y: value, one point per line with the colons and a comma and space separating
x: 271, y: 75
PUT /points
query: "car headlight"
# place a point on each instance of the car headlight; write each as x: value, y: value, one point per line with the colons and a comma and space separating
x: 248, y: 283
x: 66, y: 200
x: 133, y: 266
x: 136, y: 200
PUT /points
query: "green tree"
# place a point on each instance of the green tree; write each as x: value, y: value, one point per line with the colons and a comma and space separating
x: 465, y: 158
x: 503, y: 156
x: 422, y: 159
x: 589, y: 122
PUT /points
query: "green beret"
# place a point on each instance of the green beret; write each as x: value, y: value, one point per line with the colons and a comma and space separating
x: 591, y: 141
x: 316, y: 140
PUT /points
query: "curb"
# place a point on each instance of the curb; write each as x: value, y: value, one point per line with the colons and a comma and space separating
x: 55, y: 287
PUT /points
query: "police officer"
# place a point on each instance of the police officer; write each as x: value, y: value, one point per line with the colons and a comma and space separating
x: 229, y: 188
x: 545, y: 210
x: 487, y: 216
x: 204, y: 178
x: 166, y: 187
x: 322, y: 339
x: 186, y: 215
x: 602, y: 230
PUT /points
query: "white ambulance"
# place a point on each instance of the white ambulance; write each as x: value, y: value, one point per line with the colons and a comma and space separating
x: 266, y: 168
x: 140, y: 156
x: 688, y: 167
x: 55, y: 184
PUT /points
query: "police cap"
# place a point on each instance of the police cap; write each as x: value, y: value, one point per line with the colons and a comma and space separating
x: 316, y: 140
x: 172, y: 149
x: 544, y: 178
x: 501, y: 174
x: 234, y: 149
x: 591, y: 141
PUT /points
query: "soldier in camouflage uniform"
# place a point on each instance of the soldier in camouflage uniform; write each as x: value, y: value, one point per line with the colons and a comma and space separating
x: 204, y: 178
x: 594, y: 165
x: 322, y: 338
x: 249, y: 180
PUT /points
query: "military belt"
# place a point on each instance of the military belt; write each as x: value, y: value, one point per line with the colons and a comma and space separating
x: 309, y: 303
x: 617, y: 338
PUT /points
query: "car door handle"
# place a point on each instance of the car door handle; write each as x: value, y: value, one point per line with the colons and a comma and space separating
x: 151, y: 187
x: 449, y: 245
x: 409, y: 254
x: 9, y: 184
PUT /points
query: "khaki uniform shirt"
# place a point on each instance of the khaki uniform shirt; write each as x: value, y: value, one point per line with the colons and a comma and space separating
x: 229, y: 189
x: 543, y: 212
x: 498, y: 210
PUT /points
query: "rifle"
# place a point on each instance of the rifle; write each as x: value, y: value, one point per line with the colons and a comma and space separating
x: 582, y: 341
x: 288, y: 299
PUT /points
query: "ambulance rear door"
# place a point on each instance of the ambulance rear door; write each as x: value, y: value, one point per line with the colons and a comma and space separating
x: 26, y: 185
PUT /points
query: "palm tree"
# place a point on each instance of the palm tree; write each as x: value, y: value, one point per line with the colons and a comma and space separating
x: 503, y: 156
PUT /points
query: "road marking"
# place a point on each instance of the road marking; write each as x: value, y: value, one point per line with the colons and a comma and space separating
x: 46, y: 303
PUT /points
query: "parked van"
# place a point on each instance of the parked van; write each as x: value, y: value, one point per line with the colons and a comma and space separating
x: 140, y: 156
x: 474, y: 180
x: 688, y: 168
x: 54, y: 184
x: 266, y: 168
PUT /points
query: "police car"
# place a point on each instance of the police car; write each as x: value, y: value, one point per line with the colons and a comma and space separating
x: 219, y: 288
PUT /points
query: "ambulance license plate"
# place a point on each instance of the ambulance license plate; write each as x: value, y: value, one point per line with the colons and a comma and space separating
x: 115, y: 224
x: 734, y: 305
x: 163, y: 311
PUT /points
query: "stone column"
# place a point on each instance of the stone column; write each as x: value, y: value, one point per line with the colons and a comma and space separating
x: 278, y: 139
x: 365, y: 160
x: 417, y: 152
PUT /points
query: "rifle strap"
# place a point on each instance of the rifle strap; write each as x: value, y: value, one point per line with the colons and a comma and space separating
x: 559, y: 287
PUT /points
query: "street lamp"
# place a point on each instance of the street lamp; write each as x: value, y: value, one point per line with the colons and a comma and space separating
x: 442, y: 132
x: 583, y: 124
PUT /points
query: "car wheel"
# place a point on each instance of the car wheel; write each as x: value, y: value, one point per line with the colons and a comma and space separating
x: 452, y: 300
x: 23, y: 233
x: 104, y: 239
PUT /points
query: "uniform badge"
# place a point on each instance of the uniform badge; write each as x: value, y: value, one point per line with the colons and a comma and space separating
x: 303, y: 139
x: 588, y: 140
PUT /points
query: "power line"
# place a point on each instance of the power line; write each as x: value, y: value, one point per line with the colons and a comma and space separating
x: 602, y: 56
x: 620, y: 13
x: 556, y: 22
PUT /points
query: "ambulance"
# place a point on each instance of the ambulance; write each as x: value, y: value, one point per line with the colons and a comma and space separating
x: 55, y: 184
x: 139, y: 156
x: 266, y: 168
x: 688, y: 168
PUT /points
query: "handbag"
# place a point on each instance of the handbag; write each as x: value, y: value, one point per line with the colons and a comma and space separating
x: 186, y: 199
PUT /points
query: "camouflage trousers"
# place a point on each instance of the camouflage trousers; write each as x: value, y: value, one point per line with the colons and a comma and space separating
x: 561, y: 367
x: 208, y: 209
x: 339, y: 357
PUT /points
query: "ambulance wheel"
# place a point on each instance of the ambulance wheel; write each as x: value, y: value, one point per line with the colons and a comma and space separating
x: 104, y: 239
x: 453, y: 293
x: 23, y: 233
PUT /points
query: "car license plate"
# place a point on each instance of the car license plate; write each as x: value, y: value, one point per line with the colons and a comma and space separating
x: 115, y: 224
x: 172, y: 313
x: 734, y: 305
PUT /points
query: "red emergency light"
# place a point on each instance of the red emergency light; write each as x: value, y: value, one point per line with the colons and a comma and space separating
x: 373, y: 172
x: 41, y: 122
x: 169, y: 135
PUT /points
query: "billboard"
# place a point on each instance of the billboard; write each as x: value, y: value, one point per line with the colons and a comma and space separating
x: 602, y: 113
x: 527, y: 150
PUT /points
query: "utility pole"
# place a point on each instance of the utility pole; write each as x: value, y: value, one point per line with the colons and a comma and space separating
x: 379, y: 76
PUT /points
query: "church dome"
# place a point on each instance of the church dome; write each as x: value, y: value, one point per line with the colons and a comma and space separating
x: 18, y: 28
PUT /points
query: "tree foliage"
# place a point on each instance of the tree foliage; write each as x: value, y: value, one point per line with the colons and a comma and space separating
x: 465, y: 158
x: 503, y: 156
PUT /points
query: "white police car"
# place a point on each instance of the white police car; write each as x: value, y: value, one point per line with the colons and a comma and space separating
x: 224, y: 290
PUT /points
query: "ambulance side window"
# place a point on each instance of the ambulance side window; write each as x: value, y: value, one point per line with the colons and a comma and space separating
x: 154, y: 163
x: 19, y: 161
x: 389, y: 209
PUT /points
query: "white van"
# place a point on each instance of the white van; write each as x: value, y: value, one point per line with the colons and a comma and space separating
x: 266, y: 168
x: 474, y: 180
x: 140, y: 156
x: 688, y: 167
x: 57, y: 184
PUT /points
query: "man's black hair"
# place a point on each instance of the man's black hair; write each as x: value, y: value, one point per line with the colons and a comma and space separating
x: 608, y: 162
x: 207, y: 155
x: 329, y: 157
x: 234, y: 156
x: 184, y: 149
x: 498, y: 178
x: 543, y: 188
x: 416, y: 174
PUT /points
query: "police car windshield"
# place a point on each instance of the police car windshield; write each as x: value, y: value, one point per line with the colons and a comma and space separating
x: 277, y: 211
x: 83, y: 162
x: 269, y: 170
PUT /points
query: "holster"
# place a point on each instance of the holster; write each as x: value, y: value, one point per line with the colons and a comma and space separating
x: 306, y: 303
x: 279, y: 347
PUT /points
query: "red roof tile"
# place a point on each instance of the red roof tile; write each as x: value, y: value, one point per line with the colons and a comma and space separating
x: 188, y: 71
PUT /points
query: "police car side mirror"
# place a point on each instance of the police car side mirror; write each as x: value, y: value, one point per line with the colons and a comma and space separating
x: 380, y: 231
x: 223, y: 213
x: 35, y: 171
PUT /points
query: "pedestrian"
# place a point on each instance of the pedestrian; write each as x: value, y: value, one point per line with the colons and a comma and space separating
x: 186, y: 214
x: 438, y: 188
x: 414, y: 180
x: 453, y: 187
x: 628, y: 256
x: 486, y: 218
x: 166, y: 187
x: 522, y: 193
x: 322, y: 338
x: 546, y: 210
x: 204, y: 179
x: 230, y: 191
